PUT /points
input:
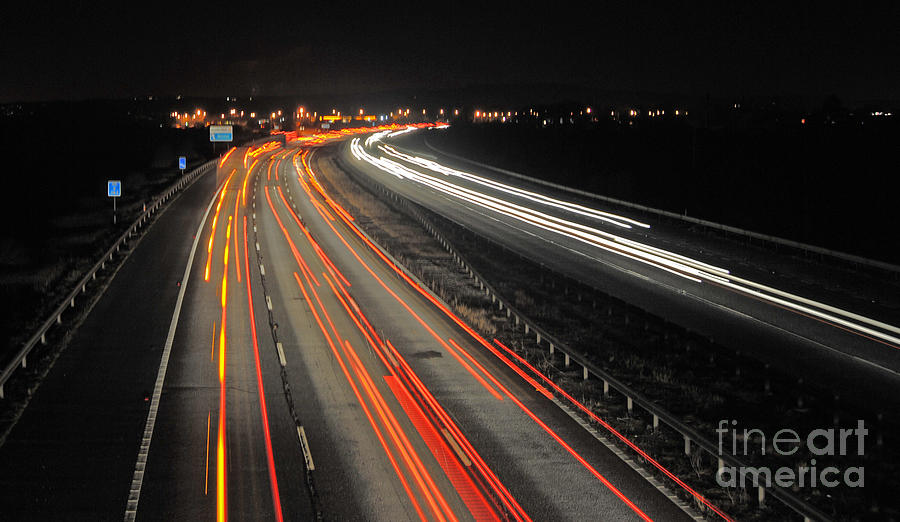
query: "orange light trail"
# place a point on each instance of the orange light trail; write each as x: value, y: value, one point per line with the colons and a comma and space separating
x: 221, y: 460
x: 509, y: 394
x: 294, y: 251
x: 469, y: 369
x: 415, y: 465
x: 206, y: 482
x: 321, y: 253
x: 212, y: 235
x: 225, y: 157
x: 359, y: 399
x: 270, y: 459
x: 478, y: 338
x: 221, y: 479
x: 385, y: 420
x: 621, y: 437
x: 505, y: 496
x: 244, y: 188
x: 234, y: 224
x: 494, y: 482
x: 225, y: 262
x: 472, y: 499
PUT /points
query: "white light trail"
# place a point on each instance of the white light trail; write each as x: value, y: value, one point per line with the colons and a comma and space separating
x: 683, y: 266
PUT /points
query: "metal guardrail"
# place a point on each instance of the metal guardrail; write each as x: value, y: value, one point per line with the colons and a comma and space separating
x: 673, y: 215
x: 40, y: 336
x: 690, y: 435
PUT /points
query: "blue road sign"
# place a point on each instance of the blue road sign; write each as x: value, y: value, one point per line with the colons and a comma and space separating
x: 221, y: 133
x: 114, y: 188
x: 182, y: 162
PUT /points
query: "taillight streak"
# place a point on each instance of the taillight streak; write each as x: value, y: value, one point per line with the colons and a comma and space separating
x: 270, y: 458
x: 612, y: 430
x: 331, y: 343
x: 481, y: 340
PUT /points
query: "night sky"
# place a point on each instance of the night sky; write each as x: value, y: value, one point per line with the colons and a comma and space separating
x: 120, y: 49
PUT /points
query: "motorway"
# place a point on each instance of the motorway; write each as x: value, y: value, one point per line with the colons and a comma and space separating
x: 294, y: 372
x: 831, y: 326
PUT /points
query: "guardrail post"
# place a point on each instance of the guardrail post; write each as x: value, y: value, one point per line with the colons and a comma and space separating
x: 72, y: 303
x: 605, y: 388
x: 526, y: 327
x: 551, y: 349
x: 58, y: 318
x: 655, y: 422
x: 630, y: 404
x: 24, y: 361
x: 43, y: 338
x: 567, y: 360
x: 687, y: 445
x: 585, y: 373
x: 2, y: 396
x: 761, y: 496
x: 538, y: 336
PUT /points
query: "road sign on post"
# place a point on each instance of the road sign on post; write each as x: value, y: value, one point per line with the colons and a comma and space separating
x: 114, y: 191
x: 182, y: 163
x: 221, y: 133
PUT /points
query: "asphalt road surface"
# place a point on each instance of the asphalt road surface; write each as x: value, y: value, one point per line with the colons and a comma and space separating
x: 256, y: 358
x: 833, y: 326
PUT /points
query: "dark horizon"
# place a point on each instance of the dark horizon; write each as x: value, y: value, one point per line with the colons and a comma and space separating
x: 113, y: 51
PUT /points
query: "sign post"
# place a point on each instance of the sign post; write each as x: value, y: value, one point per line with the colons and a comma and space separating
x: 182, y: 164
x: 114, y: 191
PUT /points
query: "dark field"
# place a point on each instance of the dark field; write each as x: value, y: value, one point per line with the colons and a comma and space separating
x: 818, y: 183
x: 56, y: 219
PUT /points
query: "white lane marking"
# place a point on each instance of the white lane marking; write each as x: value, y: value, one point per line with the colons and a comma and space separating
x: 281, y: 358
x: 301, y: 433
x: 269, y: 303
x: 137, y: 480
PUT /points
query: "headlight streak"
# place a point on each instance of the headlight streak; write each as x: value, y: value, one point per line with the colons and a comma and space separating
x: 509, y: 189
x: 671, y: 262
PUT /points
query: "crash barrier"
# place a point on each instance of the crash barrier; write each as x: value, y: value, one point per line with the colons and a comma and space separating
x: 693, y: 440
